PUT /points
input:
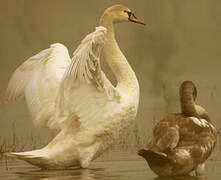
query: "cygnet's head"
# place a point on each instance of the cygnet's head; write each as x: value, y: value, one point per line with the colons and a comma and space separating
x: 188, y: 87
x: 119, y: 13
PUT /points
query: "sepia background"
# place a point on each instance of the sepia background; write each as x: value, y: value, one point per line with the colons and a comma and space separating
x: 181, y: 41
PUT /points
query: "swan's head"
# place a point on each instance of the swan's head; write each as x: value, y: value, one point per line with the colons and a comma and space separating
x: 119, y: 13
x: 188, y: 87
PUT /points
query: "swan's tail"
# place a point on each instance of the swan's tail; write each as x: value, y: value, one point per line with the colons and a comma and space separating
x: 24, y: 155
x: 35, y: 157
x: 154, y: 158
x: 158, y: 162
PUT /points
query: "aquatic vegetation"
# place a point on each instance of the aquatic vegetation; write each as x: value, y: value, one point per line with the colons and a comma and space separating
x: 131, y: 140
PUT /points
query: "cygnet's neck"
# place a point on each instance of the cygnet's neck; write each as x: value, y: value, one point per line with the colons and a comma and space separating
x: 123, y: 72
x: 187, y: 104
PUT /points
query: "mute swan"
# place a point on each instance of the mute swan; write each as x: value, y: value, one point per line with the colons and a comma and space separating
x: 76, y: 96
x: 182, y: 142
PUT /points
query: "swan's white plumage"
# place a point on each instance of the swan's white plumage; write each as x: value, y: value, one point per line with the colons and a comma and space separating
x: 38, y: 80
x: 90, y: 111
x: 86, y: 95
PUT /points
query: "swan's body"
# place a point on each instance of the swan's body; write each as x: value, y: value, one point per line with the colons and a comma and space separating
x: 182, y: 142
x: 76, y: 96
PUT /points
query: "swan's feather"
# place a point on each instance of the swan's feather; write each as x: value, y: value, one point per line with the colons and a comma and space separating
x: 86, y: 95
x: 165, y: 137
x: 38, y: 80
x: 176, y: 131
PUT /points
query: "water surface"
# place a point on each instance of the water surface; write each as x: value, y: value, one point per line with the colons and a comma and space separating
x: 112, y: 166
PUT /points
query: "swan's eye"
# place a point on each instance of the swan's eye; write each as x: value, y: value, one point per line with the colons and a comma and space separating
x: 128, y: 12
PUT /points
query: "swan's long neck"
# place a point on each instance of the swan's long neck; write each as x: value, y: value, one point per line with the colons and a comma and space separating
x: 188, y: 104
x: 123, y: 72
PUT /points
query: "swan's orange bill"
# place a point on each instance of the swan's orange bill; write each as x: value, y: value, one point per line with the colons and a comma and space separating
x: 134, y: 19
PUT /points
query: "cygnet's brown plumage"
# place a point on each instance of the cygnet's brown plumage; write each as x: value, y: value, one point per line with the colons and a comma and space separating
x: 182, y: 142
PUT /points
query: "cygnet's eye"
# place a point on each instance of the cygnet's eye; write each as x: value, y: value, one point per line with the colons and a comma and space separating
x: 128, y: 12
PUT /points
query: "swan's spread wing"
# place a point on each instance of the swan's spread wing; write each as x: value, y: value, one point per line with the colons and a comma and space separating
x: 36, y: 78
x: 22, y: 75
x: 86, y: 95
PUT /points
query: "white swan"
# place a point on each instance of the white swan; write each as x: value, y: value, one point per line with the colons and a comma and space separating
x: 75, y: 95
x: 182, y: 142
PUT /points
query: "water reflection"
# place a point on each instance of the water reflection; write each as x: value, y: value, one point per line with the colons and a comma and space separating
x: 87, y: 174
x: 181, y: 178
x: 80, y: 174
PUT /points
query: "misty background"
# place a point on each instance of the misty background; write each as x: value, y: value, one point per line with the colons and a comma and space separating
x: 181, y: 41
